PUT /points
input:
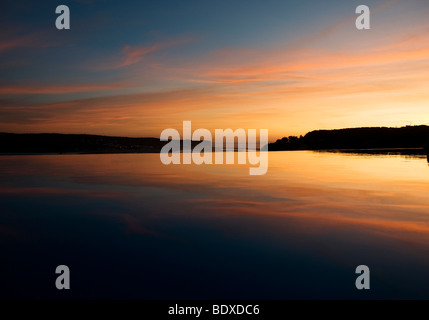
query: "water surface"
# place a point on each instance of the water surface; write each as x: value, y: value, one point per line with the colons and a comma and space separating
x: 130, y: 227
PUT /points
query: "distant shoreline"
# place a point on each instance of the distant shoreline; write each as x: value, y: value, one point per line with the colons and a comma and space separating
x: 380, y: 151
x: 374, y: 140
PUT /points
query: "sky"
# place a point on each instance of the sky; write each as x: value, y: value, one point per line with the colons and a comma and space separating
x: 135, y: 68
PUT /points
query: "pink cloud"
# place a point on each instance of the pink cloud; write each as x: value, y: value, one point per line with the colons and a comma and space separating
x: 131, y: 55
x: 10, y: 40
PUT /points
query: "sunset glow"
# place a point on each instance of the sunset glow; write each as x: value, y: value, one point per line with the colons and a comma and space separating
x: 285, y: 68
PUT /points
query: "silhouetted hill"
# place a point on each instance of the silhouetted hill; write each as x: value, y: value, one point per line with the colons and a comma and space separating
x: 75, y: 143
x: 356, y: 138
x: 341, y: 139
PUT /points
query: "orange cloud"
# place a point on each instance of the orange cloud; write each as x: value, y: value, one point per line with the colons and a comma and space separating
x: 272, y: 65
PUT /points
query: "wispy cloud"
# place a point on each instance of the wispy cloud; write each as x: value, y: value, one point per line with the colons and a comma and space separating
x: 34, y: 88
x: 12, y: 39
x: 131, y: 55
x: 271, y: 64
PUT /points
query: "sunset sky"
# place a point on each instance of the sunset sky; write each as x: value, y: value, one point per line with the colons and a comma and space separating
x: 135, y: 68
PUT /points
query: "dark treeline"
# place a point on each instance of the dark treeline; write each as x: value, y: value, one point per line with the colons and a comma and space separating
x: 356, y: 138
x: 75, y: 143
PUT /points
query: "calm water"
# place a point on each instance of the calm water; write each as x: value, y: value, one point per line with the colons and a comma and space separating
x: 130, y: 227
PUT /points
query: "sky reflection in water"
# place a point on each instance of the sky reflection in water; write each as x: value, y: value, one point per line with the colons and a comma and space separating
x: 130, y: 227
